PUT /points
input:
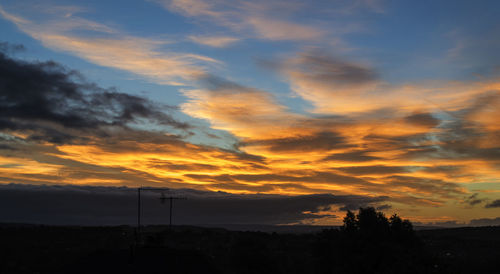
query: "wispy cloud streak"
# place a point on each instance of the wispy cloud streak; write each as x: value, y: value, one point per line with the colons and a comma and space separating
x: 141, y: 56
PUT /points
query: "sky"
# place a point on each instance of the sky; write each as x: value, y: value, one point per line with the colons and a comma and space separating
x: 298, y: 110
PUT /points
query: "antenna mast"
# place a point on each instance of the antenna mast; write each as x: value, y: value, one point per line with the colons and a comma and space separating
x: 162, y: 199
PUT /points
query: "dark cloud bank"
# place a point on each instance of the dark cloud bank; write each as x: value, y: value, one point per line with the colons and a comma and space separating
x: 100, y: 205
x: 473, y: 222
x: 97, y: 205
x: 50, y: 103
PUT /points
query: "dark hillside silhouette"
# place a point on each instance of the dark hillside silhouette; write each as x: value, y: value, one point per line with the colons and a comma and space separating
x: 368, y: 242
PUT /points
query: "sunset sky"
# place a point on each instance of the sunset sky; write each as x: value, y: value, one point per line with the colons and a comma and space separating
x: 391, y: 104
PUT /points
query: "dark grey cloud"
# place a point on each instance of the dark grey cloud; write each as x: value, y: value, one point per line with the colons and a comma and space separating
x: 423, y: 119
x: 312, y: 177
x: 11, y: 48
x: 468, y: 148
x: 451, y: 223
x: 352, y: 156
x: 473, y: 200
x: 408, y: 143
x: 455, y: 223
x: 243, y: 156
x: 320, y: 67
x: 443, y: 169
x: 316, y: 177
x: 384, y: 207
x: 462, y: 139
x: 324, y: 68
x: 219, y: 84
x: 6, y: 147
x: 180, y: 166
x: 51, y: 103
x: 319, y: 141
x: 456, y: 140
x: 485, y: 222
x: 93, y: 205
x: 442, y: 188
x: 494, y: 204
x: 461, y: 136
x: 377, y: 169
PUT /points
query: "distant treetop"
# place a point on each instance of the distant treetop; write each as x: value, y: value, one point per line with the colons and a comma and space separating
x: 372, y: 223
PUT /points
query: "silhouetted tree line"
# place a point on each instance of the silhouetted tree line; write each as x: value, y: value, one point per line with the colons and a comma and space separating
x: 369, y: 242
x: 369, y: 223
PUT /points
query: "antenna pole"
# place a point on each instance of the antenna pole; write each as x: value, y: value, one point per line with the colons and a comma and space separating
x: 162, y: 198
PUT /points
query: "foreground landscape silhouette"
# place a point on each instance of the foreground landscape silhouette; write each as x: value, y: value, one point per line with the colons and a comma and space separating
x: 367, y: 242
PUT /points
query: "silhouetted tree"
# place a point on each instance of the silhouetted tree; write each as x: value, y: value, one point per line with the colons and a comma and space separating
x: 350, y: 223
x: 372, y: 223
x: 401, y: 229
